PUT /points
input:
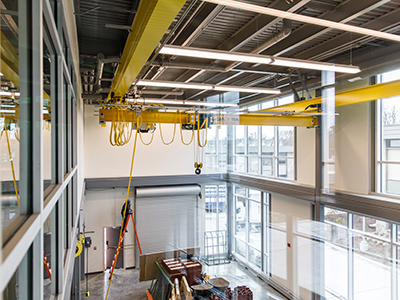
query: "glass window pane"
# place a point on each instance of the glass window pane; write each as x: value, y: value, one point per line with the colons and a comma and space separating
x: 239, y: 139
x: 268, y: 140
x: 267, y: 166
x: 9, y: 118
x: 336, y: 253
x: 46, y: 130
x: 390, y: 76
x: 286, y: 141
x: 374, y: 255
x: 65, y: 125
x: 241, y: 218
x: 335, y: 216
x: 398, y: 234
x: 240, y: 163
x: 252, y: 132
x: 47, y: 255
x: 222, y: 162
x: 211, y: 140
x: 241, y: 191
x: 253, y: 164
x: 398, y: 270
x: 286, y: 168
x: 255, y: 195
x: 210, y: 189
x: 255, y: 257
x: 255, y: 224
x: 286, y: 100
x: 222, y: 216
x: 372, y: 226
x: 210, y: 215
x: 391, y: 178
x: 267, y: 104
x: 240, y: 248
x: 371, y: 256
x: 222, y: 139
x: 211, y: 163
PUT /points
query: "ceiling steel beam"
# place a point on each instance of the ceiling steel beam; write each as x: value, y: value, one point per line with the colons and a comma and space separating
x: 350, y: 9
x: 306, y: 19
x: 151, y: 22
x: 385, y: 22
x: 259, y: 24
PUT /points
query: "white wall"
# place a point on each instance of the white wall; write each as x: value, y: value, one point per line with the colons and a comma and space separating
x: 352, y: 148
x: 103, y: 209
x: 352, y: 144
x: 305, y: 152
x: 290, y: 255
x: 104, y: 160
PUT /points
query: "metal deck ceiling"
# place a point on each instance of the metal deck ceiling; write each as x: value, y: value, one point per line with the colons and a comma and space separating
x: 205, y: 25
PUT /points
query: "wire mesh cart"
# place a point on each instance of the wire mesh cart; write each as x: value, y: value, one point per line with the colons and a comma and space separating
x: 216, y: 247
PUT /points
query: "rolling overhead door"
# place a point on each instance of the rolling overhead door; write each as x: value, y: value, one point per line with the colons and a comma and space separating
x: 167, y: 218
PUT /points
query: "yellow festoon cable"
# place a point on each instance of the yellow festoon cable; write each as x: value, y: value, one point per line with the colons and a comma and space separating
x: 161, y: 134
x: 180, y: 125
x: 11, y: 160
x: 152, y: 137
x: 121, y: 130
x: 139, y: 119
x: 112, y: 128
x: 198, y: 131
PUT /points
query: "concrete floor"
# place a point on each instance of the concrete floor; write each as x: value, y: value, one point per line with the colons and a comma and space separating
x: 126, y: 285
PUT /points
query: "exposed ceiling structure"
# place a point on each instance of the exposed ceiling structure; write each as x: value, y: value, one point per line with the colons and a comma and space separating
x: 273, y: 37
x: 201, y: 24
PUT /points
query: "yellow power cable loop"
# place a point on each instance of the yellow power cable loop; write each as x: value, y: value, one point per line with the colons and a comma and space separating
x: 121, y: 130
x: 151, y: 140
x: 112, y: 128
x: 161, y: 134
x: 205, y: 123
x: 180, y: 126
x: 127, y: 197
x: 11, y: 161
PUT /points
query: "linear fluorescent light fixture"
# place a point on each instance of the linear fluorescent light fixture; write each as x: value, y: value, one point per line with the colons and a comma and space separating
x: 201, y: 86
x: 256, y: 58
x: 181, y: 102
x: 10, y: 94
x: 305, y: 19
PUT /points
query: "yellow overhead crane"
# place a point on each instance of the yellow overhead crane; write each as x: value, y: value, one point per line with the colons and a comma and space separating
x: 302, y: 113
x: 363, y: 94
